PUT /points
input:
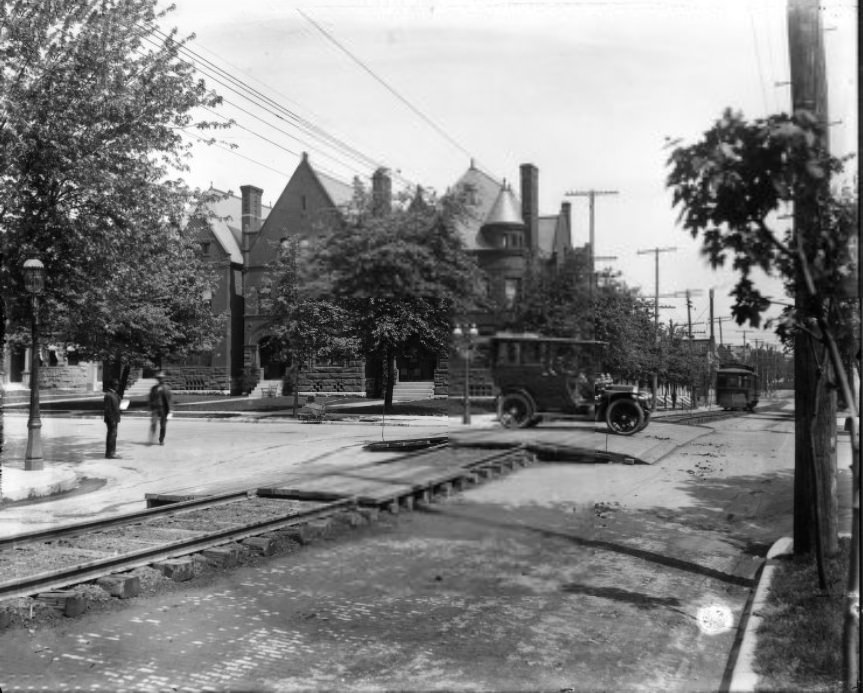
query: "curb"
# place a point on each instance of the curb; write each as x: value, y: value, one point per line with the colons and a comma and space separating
x: 743, y: 678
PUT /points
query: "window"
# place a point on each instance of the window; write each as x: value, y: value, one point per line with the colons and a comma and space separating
x: 511, y: 290
x: 205, y: 248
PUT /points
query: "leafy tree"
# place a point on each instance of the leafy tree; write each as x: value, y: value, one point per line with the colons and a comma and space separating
x: 729, y: 187
x: 555, y: 302
x: 92, y: 112
x: 624, y: 320
x: 304, y: 320
x: 558, y: 303
x: 401, y: 275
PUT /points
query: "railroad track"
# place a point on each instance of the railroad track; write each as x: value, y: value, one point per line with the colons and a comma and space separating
x: 696, y: 418
x: 176, y: 535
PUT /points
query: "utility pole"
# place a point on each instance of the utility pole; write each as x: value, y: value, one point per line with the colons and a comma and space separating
x: 591, y: 195
x: 815, y: 472
x: 813, y: 504
x: 689, y: 314
x: 656, y: 252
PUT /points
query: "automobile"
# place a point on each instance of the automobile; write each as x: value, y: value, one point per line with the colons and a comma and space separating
x: 539, y: 378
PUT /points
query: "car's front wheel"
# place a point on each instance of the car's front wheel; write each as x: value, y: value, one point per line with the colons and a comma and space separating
x: 515, y: 411
x: 624, y: 417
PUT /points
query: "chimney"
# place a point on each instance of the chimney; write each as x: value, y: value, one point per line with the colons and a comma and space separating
x: 382, y: 191
x: 566, y: 212
x: 530, y: 203
x: 250, y: 219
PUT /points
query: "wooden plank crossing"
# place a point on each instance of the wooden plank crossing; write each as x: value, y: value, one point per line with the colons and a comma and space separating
x: 391, y: 481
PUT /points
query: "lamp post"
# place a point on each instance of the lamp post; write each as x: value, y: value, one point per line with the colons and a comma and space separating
x: 34, y: 283
x: 464, y: 336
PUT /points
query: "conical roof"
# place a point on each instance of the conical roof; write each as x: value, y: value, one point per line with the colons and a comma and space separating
x: 505, y: 210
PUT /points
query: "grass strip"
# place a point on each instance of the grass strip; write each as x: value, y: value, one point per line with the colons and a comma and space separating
x: 799, y: 646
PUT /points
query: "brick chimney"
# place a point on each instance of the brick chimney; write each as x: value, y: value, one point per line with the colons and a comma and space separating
x: 566, y: 211
x: 530, y: 204
x: 382, y: 192
x: 250, y: 219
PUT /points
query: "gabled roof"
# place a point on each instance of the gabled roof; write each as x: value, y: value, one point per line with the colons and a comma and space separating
x: 554, y: 235
x: 226, y: 223
x: 340, y: 193
x: 481, y: 191
x: 491, y: 202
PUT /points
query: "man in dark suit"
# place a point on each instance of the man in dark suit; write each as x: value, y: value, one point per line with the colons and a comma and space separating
x: 112, y: 418
x: 160, y: 407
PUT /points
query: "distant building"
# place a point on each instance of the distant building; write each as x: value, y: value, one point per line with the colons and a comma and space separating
x: 504, y: 231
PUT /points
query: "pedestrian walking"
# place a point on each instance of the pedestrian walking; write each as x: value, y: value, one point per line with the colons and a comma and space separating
x: 160, y: 408
x: 112, y: 419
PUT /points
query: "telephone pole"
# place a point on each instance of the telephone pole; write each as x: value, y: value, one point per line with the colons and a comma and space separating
x: 656, y: 252
x: 815, y: 498
x: 812, y: 506
x: 591, y: 195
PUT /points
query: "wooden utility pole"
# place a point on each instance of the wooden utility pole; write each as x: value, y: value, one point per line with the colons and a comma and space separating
x: 815, y: 503
x: 591, y: 195
x: 815, y: 474
x: 656, y: 252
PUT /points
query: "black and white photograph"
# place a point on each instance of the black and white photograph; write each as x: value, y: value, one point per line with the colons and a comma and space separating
x: 430, y: 345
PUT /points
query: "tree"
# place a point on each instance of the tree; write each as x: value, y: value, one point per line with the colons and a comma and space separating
x: 401, y: 275
x: 729, y: 187
x: 557, y: 302
x: 624, y: 320
x: 304, y: 322
x: 92, y: 112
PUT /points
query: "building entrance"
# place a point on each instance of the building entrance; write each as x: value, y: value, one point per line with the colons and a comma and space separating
x: 416, y: 366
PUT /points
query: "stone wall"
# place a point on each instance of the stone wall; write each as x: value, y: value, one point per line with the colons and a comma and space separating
x: 441, y: 378
x: 348, y: 378
x: 198, y: 379
x: 480, y: 385
x: 62, y: 377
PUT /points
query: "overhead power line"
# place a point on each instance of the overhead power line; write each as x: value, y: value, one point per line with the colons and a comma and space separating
x: 290, y: 118
x: 390, y: 89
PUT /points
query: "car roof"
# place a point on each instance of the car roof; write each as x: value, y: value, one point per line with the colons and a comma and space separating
x: 532, y: 337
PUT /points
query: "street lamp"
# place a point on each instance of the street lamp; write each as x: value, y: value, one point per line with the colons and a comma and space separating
x: 464, y: 337
x: 34, y: 283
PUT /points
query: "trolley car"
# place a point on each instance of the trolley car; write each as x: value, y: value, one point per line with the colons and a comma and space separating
x: 736, y: 387
x: 539, y: 378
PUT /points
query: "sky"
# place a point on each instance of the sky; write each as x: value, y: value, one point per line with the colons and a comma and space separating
x: 587, y: 91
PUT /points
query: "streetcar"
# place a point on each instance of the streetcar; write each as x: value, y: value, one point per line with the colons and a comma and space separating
x: 540, y: 378
x: 736, y: 387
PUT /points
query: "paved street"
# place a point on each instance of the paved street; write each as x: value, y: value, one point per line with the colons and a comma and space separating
x: 195, y: 451
x: 555, y: 577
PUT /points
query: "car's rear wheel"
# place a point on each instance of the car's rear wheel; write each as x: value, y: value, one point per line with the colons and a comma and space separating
x: 515, y: 411
x: 624, y: 417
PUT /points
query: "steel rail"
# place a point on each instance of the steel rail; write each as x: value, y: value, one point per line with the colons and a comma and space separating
x: 10, y: 542
x: 92, y: 570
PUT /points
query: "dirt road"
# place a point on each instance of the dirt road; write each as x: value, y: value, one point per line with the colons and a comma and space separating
x: 556, y: 577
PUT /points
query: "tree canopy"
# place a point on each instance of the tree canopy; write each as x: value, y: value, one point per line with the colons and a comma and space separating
x: 401, y: 275
x: 731, y: 187
x: 93, y: 106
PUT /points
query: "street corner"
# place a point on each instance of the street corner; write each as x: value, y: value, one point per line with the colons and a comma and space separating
x: 20, y: 484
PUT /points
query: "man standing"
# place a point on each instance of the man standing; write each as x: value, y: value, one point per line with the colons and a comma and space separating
x: 160, y: 407
x: 112, y: 419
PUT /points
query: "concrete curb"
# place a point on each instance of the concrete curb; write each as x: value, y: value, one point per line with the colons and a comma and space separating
x: 744, y: 679
x: 18, y: 484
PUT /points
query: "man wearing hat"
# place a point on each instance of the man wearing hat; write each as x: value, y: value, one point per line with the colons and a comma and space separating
x: 112, y: 418
x: 160, y: 407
